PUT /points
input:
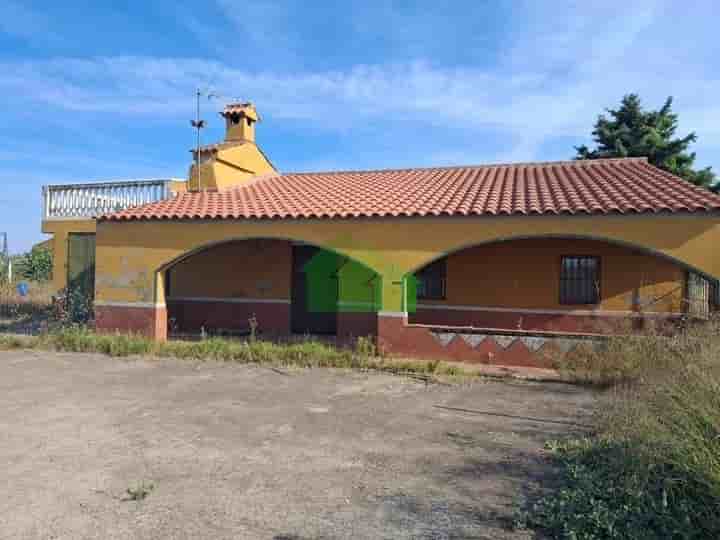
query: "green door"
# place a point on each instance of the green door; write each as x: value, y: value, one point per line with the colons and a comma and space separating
x: 80, y: 276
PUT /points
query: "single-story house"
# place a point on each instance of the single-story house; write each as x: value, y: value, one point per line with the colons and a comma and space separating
x: 488, y: 263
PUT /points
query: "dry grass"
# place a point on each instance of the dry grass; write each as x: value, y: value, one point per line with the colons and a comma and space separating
x: 305, y: 353
x: 22, y: 314
x: 632, y: 358
x: 652, y: 467
x: 37, y: 301
x: 669, y: 405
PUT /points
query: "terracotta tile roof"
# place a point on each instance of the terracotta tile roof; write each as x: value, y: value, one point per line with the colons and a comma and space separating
x: 617, y: 186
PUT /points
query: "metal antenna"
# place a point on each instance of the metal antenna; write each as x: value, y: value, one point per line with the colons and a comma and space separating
x: 198, y: 124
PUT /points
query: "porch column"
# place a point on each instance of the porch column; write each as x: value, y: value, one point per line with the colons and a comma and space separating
x: 148, y: 319
x: 145, y: 319
x: 392, y: 332
x: 392, y: 318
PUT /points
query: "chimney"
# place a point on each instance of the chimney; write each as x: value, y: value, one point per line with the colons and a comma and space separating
x: 240, y: 121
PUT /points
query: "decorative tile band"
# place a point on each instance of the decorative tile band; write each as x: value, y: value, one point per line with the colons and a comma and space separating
x: 532, y: 343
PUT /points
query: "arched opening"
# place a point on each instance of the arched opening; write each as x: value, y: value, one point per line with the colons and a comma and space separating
x: 275, y: 287
x: 552, y: 283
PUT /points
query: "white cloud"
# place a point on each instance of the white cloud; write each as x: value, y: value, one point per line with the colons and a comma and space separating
x: 466, y: 98
x: 559, y: 72
x: 528, y: 92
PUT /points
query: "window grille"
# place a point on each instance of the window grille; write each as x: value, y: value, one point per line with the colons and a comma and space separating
x: 580, y: 280
x: 698, y: 295
x: 431, y: 281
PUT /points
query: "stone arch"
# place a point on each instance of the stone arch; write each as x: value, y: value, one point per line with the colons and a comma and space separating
x: 209, y: 245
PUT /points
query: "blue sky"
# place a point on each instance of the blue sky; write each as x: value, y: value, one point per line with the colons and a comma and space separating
x: 100, y: 90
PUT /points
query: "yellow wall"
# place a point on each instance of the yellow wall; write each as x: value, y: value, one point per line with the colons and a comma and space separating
x: 526, y: 274
x: 246, y: 117
x: 242, y: 131
x: 253, y: 269
x: 129, y: 254
x: 230, y: 166
x: 178, y: 186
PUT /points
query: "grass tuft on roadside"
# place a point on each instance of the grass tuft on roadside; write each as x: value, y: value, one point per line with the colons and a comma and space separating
x: 139, y: 491
x: 307, y: 353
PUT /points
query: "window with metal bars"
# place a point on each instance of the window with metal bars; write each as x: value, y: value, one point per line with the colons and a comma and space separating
x: 580, y: 280
x: 431, y: 281
x: 699, y: 294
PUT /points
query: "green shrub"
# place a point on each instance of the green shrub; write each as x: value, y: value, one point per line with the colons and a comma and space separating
x: 35, y: 265
x: 612, y: 490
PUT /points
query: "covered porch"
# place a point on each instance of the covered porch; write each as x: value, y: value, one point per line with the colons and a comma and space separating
x: 558, y: 284
x: 273, y: 288
x: 498, y: 300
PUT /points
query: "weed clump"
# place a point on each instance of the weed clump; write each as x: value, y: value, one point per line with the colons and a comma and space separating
x: 651, y: 467
x: 139, y: 491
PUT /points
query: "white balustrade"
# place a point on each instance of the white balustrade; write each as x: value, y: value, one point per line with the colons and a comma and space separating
x: 91, y: 200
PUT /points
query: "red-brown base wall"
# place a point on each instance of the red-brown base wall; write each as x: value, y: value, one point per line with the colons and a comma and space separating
x: 272, y: 318
x: 394, y: 335
x: 355, y: 325
x: 522, y: 320
x: 147, y: 321
x: 397, y: 338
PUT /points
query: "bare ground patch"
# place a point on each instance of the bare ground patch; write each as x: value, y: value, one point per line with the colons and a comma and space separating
x: 237, y: 451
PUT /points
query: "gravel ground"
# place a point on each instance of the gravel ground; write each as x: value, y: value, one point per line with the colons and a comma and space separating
x: 236, y: 451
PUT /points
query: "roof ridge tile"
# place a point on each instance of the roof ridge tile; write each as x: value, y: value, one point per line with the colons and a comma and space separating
x: 573, y: 162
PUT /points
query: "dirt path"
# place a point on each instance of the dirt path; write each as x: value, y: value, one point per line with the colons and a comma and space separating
x: 251, y: 452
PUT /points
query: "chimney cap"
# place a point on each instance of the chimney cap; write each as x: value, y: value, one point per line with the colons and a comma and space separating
x: 241, y: 109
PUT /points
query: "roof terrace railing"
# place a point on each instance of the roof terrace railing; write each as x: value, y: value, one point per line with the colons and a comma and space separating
x: 91, y: 200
